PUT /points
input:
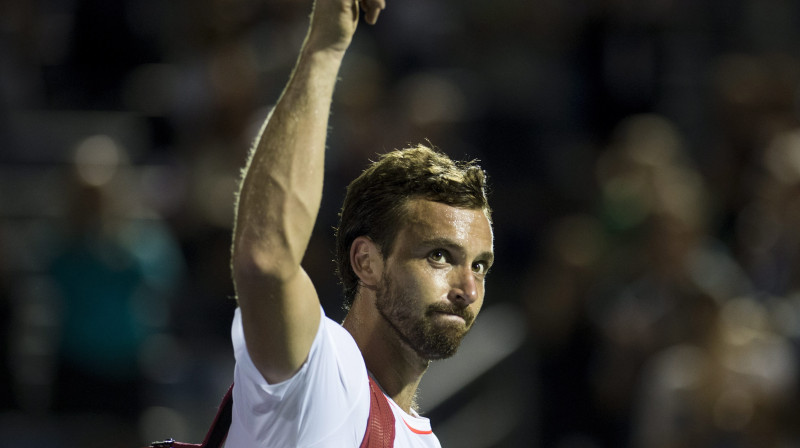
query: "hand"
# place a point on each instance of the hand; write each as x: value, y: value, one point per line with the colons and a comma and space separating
x: 333, y: 22
x: 371, y: 9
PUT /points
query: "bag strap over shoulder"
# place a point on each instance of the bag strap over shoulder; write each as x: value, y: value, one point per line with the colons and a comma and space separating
x: 379, y: 433
x: 380, y: 426
x: 216, y: 433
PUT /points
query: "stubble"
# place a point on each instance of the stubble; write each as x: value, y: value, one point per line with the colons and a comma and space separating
x: 430, y: 336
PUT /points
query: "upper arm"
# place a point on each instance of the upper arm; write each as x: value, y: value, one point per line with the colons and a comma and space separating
x: 276, y: 210
x: 280, y: 318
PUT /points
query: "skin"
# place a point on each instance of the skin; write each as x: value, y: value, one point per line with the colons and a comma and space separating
x: 439, y: 259
x: 280, y: 197
x: 439, y: 262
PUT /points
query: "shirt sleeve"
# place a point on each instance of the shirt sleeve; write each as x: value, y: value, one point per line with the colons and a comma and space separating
x: 326, y: 403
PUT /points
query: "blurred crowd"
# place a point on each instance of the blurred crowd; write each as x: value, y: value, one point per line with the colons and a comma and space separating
x: 644, y: 158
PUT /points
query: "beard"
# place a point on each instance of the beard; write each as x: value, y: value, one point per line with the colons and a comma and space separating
x: 429, y: 337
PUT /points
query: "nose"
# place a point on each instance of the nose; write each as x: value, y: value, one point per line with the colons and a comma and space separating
x: 464, y: 287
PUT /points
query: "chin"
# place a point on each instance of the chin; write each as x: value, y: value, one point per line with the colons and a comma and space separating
x: 441, y: 343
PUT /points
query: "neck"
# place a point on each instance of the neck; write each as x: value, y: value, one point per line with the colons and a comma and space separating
x: 394, y: 365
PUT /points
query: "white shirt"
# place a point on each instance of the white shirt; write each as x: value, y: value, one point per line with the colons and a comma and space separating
x: 325, y: 404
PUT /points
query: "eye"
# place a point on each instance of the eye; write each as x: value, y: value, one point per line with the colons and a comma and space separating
x: 480, y: 267
x: 438, y: 256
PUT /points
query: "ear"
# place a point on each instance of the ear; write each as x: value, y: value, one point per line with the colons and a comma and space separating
x: 366, y: 261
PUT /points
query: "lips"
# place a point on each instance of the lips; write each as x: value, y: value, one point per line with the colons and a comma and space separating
x: 452, y: 316
x: 463, y: 313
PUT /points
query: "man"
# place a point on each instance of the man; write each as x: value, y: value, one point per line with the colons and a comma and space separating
x: 413, y: 248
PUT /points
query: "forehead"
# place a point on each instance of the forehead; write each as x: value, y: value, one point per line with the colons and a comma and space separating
x: 427, y: 220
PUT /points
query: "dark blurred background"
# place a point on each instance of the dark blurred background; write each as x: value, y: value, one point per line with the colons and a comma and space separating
x: 644, y: 157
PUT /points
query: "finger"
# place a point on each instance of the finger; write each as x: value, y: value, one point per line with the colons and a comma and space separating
x: 372, y: 8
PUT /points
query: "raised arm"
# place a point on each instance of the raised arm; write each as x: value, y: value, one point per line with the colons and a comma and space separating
x: 280, y: 198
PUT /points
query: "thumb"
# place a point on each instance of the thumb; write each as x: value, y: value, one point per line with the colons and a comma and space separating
x: 372, y: 8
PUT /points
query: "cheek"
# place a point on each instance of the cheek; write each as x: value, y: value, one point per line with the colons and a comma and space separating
x: 423, y: 281
x: 435, y: 281
x: 478, y: 304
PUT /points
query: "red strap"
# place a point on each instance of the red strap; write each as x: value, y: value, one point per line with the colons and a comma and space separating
x: 379, y: 433
x: 222, y: 422
x: 380, y: 426
x: 217, y: 433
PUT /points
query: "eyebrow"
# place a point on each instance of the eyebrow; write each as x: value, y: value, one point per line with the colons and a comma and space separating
x: 486, y: 256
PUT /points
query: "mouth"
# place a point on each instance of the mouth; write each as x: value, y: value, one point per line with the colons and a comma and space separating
x: 450, y: 316
x: 461, y: 315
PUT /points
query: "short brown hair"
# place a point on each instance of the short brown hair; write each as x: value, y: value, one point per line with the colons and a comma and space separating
x: 375, y: 200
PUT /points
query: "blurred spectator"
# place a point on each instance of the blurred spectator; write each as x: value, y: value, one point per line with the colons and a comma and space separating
x: 734, y: 388
x: 114, y: 276
x: 99, y: 282
x: 559, y: 290
x: 768, y: 223
x: 755, y: 98
x: 668, y: 274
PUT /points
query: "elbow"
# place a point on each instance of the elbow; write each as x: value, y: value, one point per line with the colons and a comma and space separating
x: 251, y: 261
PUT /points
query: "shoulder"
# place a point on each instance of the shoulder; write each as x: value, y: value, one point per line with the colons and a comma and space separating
x: 328, y: 397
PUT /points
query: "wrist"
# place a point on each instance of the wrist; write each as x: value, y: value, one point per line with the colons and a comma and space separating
x: 325, y: 55
x: 328, y: 38
x: 324, y: 45
x: 330, y: 52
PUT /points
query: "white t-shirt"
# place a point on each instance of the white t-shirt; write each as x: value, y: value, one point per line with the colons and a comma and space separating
x: 325, y: 404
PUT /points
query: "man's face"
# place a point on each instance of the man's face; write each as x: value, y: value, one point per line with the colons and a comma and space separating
x: 432, y: 286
